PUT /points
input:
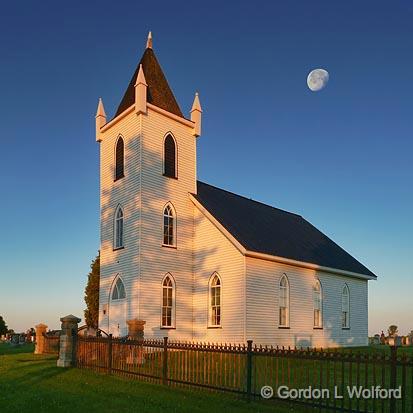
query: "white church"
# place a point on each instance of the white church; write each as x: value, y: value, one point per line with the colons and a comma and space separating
x: 200, y: 263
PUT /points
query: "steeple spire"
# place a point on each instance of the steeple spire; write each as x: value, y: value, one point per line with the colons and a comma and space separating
x: 196, y: 115
x: 159, y: 92
x: 149, y: 41
x: 100, y: 119
x: 140, y: 92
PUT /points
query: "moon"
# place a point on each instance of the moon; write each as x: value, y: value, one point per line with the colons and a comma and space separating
x: 317, y: 79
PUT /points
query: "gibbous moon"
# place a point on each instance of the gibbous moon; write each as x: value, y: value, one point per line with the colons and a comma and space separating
x: 317, y: 79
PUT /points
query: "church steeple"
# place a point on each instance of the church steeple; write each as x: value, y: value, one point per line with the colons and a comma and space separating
x: 158, y: 91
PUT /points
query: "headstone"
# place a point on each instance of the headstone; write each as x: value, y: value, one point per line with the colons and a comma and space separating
x: 40, y: 340
x: 68, y: 337
x: 15, y: 339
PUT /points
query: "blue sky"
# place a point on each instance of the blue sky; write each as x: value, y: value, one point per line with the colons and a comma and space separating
x: 341, y: 157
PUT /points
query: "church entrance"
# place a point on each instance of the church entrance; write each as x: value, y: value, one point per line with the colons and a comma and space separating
x: 117, y: 310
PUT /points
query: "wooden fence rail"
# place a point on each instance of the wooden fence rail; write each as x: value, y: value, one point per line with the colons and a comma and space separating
x: 51, y: 344
x: 247, y: 369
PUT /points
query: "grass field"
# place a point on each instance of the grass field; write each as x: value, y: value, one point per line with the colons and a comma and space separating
x: 33, y: 383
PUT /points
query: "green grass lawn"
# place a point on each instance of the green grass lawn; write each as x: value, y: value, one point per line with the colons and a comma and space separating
x: 33, y: 383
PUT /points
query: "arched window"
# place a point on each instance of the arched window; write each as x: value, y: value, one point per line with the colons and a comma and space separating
x: 119, y: 159
x: 284, y: 305
x: 118, y: 292
x: 345, y: 307
x: 118, y: 238
x: 215, y: 301
x: 169, y: 157
x: 169, y: 226
x: 317, y: 304
x: 168, y: 302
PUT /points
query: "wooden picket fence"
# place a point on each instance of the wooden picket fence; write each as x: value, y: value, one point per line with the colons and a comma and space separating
x: 51, y: 343
x: 246, y: 369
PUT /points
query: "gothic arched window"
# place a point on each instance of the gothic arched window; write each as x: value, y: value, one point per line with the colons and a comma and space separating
x: 317, y: 304
x: 119, y: 159
x: 345, y: 307
x: 118, y: 292
x: 169, y: 161
x: 284, y: 303
x: 168, y: 302
x: 169, y: 226
x: 118, y: 227
x: 215, y: 298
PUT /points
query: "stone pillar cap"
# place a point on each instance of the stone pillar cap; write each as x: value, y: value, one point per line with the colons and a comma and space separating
x: 70, y: 317
x: 41, y: 325
x: 136, y: 321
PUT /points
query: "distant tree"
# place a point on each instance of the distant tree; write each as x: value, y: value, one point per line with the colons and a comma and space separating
x: 92, y: 294
x: 392, y: 330
x: 3, y: 326
x: 411, y: 334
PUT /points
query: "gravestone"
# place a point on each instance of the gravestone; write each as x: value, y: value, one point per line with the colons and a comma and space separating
x: 15, y: 339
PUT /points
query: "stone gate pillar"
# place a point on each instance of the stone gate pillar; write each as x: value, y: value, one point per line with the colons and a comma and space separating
x: 136, y: 355
x: 68, y: 337
x: 40, y: 340
x: 136, y: 329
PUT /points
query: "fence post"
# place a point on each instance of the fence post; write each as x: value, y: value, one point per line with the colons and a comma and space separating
x: 249, y: 369
x: 393, y: 375
x: 68, y: 341
x: 165, y: 361
x: 40, y: 340
x: 110, y: 354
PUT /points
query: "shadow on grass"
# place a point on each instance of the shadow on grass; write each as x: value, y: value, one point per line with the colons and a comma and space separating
x: 44, y: 373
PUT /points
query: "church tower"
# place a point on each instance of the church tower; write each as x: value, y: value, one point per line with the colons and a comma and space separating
x: 147, y: 171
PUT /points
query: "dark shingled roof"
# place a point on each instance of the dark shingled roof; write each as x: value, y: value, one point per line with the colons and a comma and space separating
x: 265, y: 229
x: 159, y: 92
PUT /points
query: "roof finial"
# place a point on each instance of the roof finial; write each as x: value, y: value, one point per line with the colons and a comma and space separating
x: 149, y: 41
x: 100, y: 120
x: 196, y: 115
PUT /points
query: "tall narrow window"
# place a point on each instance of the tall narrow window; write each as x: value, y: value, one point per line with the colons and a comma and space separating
x: 118, y: 292
x: 118, y: 241
x: 119, y: 159
x: 169, y: 157
x: 168, y: 293
x: 284, y: 302
x: 215, y: 301
x: 345, y: 307
x: 168, y: 226
x: 317, y: 304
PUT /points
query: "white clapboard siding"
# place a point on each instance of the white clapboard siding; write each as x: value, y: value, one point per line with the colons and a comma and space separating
x: 143, y: 193
x: 125, y: 191
x: 262, y: 307
x: 156, y: 260
x: 250, y: 291
x: 213, y: 252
